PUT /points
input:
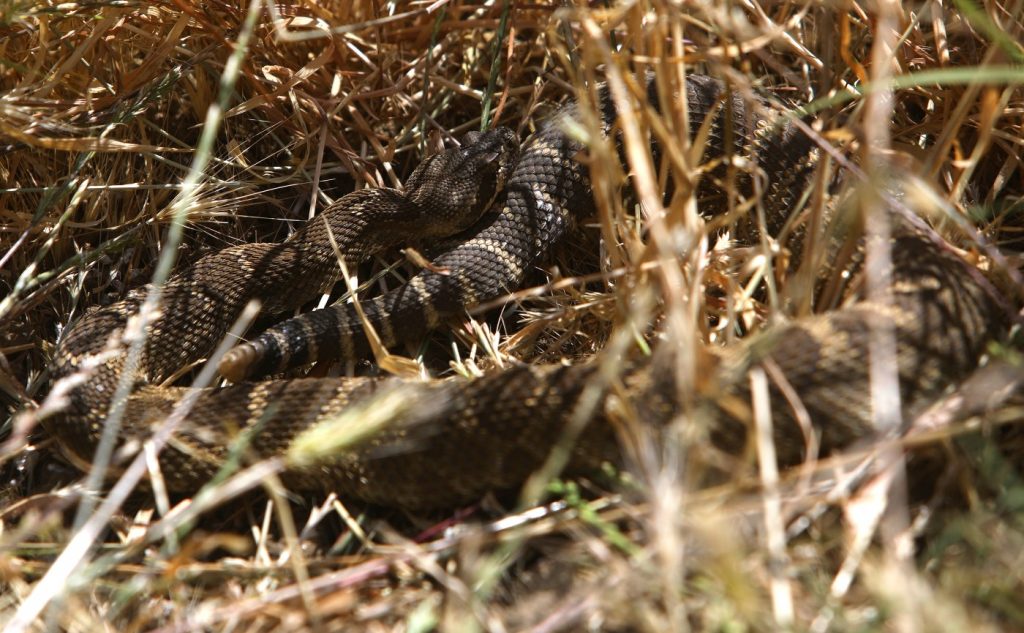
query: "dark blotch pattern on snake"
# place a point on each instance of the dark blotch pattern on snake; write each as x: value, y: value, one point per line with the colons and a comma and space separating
x: 455, y: 439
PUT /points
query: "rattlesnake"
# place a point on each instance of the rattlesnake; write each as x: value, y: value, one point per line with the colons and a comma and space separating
x: 451, y: 440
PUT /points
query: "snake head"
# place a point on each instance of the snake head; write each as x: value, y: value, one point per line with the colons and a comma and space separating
x: 456, y: 186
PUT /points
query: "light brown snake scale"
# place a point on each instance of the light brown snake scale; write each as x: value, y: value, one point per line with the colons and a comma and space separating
x: 456, y: 439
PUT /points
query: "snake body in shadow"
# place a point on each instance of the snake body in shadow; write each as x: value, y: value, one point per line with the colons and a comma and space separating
x: 449, y: 441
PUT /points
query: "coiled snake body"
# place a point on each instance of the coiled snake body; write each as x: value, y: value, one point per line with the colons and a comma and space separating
x: 452, y: 440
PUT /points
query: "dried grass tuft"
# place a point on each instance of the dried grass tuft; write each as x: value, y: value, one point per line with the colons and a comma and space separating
x: 102, y: 109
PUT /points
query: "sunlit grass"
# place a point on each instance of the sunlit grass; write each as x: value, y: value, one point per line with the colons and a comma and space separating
x: 106, y: 107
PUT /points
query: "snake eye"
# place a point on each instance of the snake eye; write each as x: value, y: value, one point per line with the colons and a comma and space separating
x: 488, y: 157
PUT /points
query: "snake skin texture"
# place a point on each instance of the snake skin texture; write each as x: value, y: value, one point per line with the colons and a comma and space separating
x: 547, y: 193
x: 449, y: 441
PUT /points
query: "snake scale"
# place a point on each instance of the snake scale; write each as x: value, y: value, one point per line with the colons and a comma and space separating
x: 455, y: 439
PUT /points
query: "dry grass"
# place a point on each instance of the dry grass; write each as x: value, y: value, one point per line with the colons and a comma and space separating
x: 105, y: 107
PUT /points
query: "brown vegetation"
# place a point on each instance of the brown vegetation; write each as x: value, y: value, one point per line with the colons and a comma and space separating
x: 113, y: 140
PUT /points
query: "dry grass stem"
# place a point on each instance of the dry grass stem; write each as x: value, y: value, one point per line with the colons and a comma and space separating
x: 137, y: 137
